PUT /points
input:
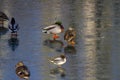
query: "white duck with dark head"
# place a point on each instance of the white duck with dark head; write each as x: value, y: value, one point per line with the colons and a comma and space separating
x: 59, y: 60
x: 54, y: 29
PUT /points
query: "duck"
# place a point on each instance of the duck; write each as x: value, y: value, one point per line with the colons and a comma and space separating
x: 59, y: 60
x: 54, y: 29
x: 22, y: 70
x: 13, y: 26
x: 3, y: 16
x: 70, y: 35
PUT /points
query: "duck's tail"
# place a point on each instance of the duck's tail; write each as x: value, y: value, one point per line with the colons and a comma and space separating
x: 44, y: 30
x: 50, y: 60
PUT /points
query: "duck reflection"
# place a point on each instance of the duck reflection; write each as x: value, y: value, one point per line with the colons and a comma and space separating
x: 58, y: 71
x: 69, y: 49
x: 13, y: 41
x: 54, y: 44
x: 3, y: 30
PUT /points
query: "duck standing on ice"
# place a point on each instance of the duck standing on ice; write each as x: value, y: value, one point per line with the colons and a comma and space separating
x: 22, y: 70
x: 70, y: 36
x: 59, y: 60
x: 54, y: 29
x: 13, y: 26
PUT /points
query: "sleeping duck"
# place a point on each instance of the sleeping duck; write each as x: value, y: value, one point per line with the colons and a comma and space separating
x: 54, y: 29
x: 22, y: 70
x: 59, y: 60
x: 70, y: 35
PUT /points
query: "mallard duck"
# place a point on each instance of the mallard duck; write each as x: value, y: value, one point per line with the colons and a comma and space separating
x: 13, y: 26
x: 22, y: 70
x: 59, y: 60
x: 3, y: 17
x: 70, y: 35
x: 54, y: 29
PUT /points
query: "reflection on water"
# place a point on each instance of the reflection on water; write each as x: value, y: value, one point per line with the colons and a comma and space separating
x: 13, y: 43
x: 69, y: 49
x: 3, y: 30
x: 54, y: 44
x: 89, y: 40
x: 96, y: 61
x: 58, y: 71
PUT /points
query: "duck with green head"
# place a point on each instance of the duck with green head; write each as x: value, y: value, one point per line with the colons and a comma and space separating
x: 54, y: 29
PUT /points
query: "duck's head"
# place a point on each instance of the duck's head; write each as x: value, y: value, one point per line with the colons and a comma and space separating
x: 62, y: 56
x: 13, y: 21
x: 19, y: 64
x: 60, y: 24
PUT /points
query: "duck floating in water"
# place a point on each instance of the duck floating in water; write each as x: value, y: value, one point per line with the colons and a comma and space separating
x: 54, y: 29
x: 22, y: 70
x: 13, y: 26
x: 70, y: 35
x: 59, y: 60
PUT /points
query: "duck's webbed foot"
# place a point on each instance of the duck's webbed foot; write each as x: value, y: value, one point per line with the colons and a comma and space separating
x: 55, y: 36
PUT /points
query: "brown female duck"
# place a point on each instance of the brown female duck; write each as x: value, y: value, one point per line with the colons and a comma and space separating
x: 70, y: 35
x: 22, y: 70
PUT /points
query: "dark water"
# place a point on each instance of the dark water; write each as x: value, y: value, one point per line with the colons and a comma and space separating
x: 94, y: 57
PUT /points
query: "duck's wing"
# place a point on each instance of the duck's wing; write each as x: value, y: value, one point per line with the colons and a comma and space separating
x: 58, y: 59
x: 66, y: 36
x: 9, y: 26
x: 69, y: 35
x: 17, y: 27
x: 49, y: 27
x: 23, y: 70
x: 26, y: 71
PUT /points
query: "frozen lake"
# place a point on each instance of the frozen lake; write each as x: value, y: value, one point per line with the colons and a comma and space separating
x: 95, y: 55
